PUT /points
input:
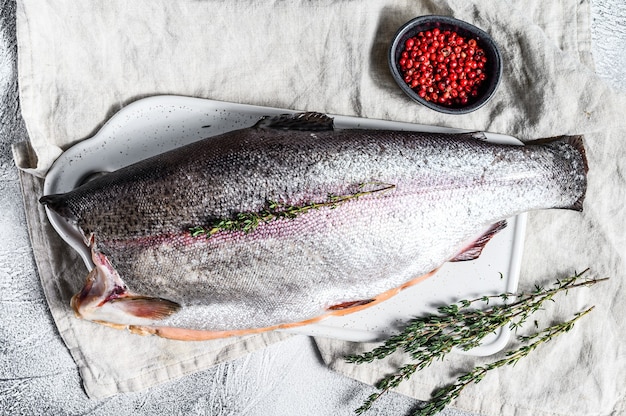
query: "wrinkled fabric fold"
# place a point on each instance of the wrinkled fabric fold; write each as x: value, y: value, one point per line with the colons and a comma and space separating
x: 79, y: 63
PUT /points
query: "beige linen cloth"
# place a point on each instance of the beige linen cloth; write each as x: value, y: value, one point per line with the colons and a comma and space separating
x: 80, y: 62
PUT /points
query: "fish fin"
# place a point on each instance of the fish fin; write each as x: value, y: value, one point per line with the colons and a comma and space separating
x: 473, y: 251
x: 58, y: 204
x: 576, y: 142
x: 145, y: 306
x: 300, y: 121
x: 478, y: 135
x: 351, y: 304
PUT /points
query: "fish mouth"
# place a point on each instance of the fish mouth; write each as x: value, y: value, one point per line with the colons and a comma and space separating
x: 58, y: 203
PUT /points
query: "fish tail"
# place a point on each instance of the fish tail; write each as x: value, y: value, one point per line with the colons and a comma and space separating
x: 576, y: 142
x: 572, y: 149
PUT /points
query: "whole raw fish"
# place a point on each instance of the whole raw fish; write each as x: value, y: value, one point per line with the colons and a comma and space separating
x: 289, y: 221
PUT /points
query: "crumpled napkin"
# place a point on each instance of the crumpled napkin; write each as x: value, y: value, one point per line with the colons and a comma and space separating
x: 81, y: 62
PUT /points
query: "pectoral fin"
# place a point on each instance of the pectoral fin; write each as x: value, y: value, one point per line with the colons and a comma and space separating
x: 145, y: 307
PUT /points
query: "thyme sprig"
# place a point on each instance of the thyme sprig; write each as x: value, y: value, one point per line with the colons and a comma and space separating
x: 459, y: 325
x: 445, y: 395
x: 274, y: 210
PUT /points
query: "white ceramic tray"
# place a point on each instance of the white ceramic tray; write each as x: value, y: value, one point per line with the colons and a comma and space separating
x: 157, y: 124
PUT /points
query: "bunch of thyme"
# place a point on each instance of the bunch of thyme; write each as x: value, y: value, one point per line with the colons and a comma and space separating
x: 461, y: 326
x: 445, y: 395
x: 273, y: 210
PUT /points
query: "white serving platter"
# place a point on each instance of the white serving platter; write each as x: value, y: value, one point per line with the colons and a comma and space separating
x: 157, y: 124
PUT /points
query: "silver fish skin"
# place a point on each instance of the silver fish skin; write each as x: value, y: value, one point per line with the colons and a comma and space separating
x: 413, y: 202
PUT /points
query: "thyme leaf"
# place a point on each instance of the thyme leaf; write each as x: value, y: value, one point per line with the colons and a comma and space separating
x: 274, y: 210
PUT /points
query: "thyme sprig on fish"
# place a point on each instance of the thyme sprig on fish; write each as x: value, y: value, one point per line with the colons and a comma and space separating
x: 274, y: 210
x: 460, y: 325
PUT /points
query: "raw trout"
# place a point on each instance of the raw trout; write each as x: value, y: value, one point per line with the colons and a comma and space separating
x: 289, y: 221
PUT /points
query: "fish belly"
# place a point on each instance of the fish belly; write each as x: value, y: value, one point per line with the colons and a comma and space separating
x: 293, y: 270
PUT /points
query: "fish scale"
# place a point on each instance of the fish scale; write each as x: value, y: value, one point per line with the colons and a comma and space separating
x: 411, y: 202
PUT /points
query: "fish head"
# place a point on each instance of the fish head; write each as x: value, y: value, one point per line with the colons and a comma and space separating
x: 102, y: 285
x: 105, y: 298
